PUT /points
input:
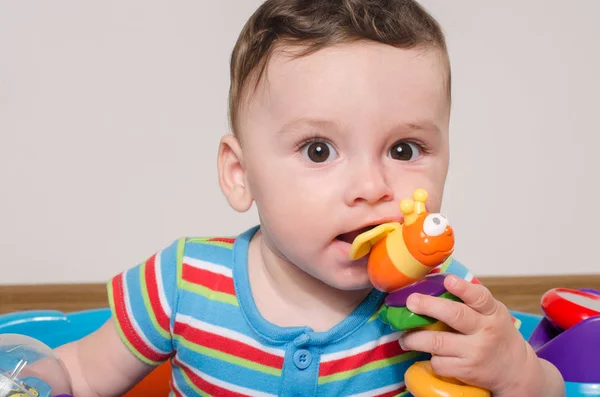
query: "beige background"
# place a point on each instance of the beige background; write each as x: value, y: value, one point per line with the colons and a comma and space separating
x: 110, y: 115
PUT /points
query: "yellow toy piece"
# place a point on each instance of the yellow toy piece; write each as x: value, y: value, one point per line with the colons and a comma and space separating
x: 411, y: 209
x: 422, y: 381
x: 362, y: 244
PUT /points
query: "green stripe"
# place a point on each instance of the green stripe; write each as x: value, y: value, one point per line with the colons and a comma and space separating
x: 180, y: 253
x: 242, y: 362
x: 205, y: 240
x: 518, y: 323
x: 148, y: 304
x: 446, y: 265
x: 386, y: 362
x: 111, y: 302
x: 209, y: 293
x: 374, y: 316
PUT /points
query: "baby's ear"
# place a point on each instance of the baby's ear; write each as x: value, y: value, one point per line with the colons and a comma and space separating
x: 232, y: 174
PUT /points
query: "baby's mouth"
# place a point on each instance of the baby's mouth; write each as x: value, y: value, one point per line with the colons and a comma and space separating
x: 351, y: 236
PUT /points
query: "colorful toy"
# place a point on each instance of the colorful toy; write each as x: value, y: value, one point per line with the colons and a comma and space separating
x: 401, y: 257
x: 28, y: 368
x: 569, y: 337
x: 565, y: 308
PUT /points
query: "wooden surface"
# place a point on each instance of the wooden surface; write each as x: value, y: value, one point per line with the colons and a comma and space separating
x: 63, y: 297
x: 518, y: 293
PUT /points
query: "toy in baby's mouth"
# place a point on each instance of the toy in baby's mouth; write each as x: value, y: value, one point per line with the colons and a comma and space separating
x: 401, y: 256
x: 29, y: 368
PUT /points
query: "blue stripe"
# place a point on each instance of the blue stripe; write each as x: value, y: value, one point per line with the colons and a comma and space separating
x: 210, y: 253
x: 457, y: 269
x: 141, y: 314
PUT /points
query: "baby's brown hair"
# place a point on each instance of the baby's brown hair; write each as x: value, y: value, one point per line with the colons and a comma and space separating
x: 314, y: 24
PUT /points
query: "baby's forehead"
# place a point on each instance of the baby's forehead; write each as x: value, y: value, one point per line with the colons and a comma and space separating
x: 343, y: 82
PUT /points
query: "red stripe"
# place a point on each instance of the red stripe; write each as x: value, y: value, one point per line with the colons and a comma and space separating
x: 383, y: 351
x: 153, y: 294
x: 392, y: 393
x: 177, y: 392
x: 214, y: 281
x: 207, y: 387
x: 128, y: 330
x: 227, y: 345
x: 227, y: 240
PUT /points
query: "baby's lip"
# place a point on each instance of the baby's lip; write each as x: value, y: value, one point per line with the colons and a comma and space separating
x: 349, y: 237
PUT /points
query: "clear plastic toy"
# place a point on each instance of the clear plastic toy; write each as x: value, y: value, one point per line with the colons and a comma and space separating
x: 29, y: 368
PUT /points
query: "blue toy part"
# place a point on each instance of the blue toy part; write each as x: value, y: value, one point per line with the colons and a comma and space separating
x: 528, y: 323
x: 582, y: 389
x: 54, y: 328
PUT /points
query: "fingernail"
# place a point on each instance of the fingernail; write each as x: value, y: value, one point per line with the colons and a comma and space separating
x: 401, y: 341
x: 413, y: 302
x: 452, y: 281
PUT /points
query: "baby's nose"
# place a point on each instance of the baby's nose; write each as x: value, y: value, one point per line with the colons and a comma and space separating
x: 369, y: 186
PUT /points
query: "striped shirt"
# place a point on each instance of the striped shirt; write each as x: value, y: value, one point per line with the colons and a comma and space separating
x: 191, y: 303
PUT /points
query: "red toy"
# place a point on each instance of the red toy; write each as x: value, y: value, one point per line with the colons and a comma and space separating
x: 565, y: 307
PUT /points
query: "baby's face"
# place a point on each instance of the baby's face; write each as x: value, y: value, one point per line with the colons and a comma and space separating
x: 333, y: 141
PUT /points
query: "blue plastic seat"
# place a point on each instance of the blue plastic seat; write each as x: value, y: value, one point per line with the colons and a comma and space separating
x: 52, y: 327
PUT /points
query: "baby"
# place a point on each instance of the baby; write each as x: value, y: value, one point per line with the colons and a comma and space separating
x: 339, y: 109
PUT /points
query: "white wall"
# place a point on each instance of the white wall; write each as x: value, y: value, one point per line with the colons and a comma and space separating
x: 110, y: 115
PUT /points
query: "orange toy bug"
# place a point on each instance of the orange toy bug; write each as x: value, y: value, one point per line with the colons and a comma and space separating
x: 402, y: 255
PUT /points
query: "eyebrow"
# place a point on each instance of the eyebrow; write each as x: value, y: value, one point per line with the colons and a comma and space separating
x: 424, y: 125
x: 305, y: 122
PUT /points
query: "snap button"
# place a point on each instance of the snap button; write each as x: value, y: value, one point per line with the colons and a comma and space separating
x: 302, y: 359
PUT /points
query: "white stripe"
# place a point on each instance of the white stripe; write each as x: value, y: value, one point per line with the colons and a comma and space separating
x: 469, y: 277
x: 362, y: 348
x: 381, y: 390
x: 226, y: 385
x: 136, y: 326
x: 175, y: 386
x: 211, y: 267
x: 161, y: 288
x: 215, y: 329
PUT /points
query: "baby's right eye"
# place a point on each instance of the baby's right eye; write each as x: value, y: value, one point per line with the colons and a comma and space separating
x: 318, y: 151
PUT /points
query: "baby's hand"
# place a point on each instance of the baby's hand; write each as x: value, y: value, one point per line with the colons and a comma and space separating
x: 487, y: 351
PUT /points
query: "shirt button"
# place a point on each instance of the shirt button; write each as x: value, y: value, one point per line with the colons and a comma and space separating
x: 302, y: 359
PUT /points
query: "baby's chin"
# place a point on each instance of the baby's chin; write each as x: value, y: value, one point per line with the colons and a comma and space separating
x: 353, y: 282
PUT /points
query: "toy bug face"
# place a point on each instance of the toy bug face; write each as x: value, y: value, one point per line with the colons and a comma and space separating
x: 400, y: 254
x: 430, y: 238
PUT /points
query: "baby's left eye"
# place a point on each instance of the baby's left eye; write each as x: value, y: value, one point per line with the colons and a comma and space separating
x: 405, y: 151
x: 435, y: 224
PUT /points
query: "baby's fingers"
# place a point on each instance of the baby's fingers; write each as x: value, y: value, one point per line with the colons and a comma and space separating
x: 456, y: 315
x: 438, y: 343
x: 476, y: 296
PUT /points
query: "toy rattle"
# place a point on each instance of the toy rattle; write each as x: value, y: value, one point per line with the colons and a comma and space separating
x: 401, y: 256
x: 29, y: 368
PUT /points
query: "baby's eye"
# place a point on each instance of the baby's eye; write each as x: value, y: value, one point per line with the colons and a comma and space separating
x: 405, y: 151
x: 318, y: 151
x: 435, y: 224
